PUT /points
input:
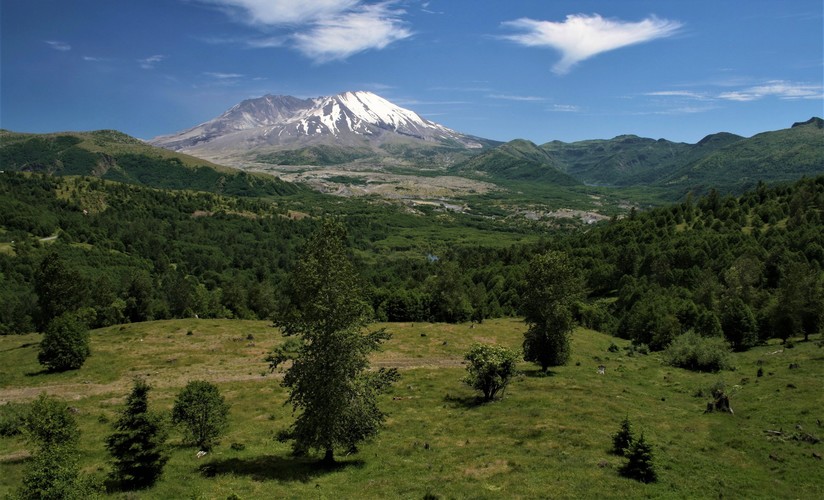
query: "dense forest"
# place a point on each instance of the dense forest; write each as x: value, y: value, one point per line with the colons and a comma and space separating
x: 748, y: 267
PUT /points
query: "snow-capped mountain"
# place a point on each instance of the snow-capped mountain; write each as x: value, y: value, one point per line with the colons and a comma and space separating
x: 351, y: 119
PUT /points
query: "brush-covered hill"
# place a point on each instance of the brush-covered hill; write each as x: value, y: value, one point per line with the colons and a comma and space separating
x: 113, y: 155
x: 724, y: 161
x: 737, y: 165
x: 519, y: 160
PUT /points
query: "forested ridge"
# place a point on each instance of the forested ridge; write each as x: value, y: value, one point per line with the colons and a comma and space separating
x: 748, y: 267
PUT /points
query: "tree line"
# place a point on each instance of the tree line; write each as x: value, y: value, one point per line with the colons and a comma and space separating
x: 745, y: 268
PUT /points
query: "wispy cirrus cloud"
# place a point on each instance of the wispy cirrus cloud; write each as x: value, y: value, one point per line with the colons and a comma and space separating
x: 780, y: 89
x: 565, y: 108
x: 776, y: 88
x: 223, y: 76
x: 151, y: 61
x: 580, y: 37
x: 58, y: 45
x: 522, y: 98
x: 322, y: 30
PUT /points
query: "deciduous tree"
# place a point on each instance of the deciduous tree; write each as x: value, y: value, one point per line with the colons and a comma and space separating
x: 202, y: 412
x: 551, y: 287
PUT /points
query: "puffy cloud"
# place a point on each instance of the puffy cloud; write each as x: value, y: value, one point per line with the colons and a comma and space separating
x: 323, y: 30
x: 276, y: 12
x: 580, y: 37
x: 369, y: 27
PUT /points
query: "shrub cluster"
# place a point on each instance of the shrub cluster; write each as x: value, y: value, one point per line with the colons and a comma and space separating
x: 694, y: 352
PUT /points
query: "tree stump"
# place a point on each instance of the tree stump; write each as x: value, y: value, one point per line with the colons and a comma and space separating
x: 720, y: 402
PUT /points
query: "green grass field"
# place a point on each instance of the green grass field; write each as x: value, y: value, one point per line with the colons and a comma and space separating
x: 548, y: 437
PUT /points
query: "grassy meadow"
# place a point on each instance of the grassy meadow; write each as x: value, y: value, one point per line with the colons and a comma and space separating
x: 549, y: 436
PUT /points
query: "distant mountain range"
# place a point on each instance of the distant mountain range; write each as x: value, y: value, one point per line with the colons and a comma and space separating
x: 727, y: 162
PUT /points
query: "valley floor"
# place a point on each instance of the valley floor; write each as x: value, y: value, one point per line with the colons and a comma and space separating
x: 548, y: 437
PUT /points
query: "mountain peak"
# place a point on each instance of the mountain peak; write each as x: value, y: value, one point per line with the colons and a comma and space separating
x: 349, y: 118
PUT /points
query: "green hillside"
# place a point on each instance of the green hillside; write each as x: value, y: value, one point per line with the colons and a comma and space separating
x: 112, y: 155
x: 782, y: 155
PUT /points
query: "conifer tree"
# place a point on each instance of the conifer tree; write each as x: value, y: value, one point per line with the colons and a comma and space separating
x: 138, y: 443
x: 622, y: 439
x: 330, y: 388
x: 639, y: 464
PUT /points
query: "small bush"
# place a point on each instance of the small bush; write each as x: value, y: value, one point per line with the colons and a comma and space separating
x: 613, y: 347
x: 237, y: 446
x: 12, y: 417
x: 697, y: 353
x: 202, y: 412
x: 49, y: 423
x: 490, y: 368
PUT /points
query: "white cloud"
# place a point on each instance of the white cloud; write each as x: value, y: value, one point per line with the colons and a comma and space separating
x: 323, y: 30
x: 57, y: 45
x: 775, y: 88
x: 580, y: 37
x: 678, y: 93
x: 565, y: 108
x: 278, y: 12
x: 780, y: 89
x: 151, y: 61
x: 510, y: 97
x: 369, y: 27
x: 223, y: 76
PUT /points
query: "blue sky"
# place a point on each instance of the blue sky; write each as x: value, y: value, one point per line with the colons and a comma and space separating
x: 540, y: 70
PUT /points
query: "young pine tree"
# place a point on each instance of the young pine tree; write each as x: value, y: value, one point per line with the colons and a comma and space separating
x: 138, y: 443
x: 639, y: 464
x: 622, y: 440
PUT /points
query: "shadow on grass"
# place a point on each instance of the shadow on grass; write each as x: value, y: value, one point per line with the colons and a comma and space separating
x: 271, y: 467
x: 21, y: 346
x: 467, y: 402
x: 44, y: 371
x: 537, y: 373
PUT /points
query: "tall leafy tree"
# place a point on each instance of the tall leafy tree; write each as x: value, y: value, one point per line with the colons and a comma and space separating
x: 59, y: 289
x: 551, y: 287
x: 65, y: 344
x: 330, y: 389
x: 138, y: 445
